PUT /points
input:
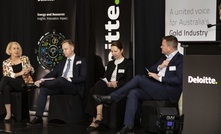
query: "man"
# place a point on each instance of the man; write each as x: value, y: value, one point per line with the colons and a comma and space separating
x: 68, y: 77
x: 164, y: 82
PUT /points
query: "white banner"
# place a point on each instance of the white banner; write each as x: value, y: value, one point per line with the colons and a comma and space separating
x: 188, y: 19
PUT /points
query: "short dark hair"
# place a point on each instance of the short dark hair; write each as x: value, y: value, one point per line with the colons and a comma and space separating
x: 69, y: 41
x: 171, y: 41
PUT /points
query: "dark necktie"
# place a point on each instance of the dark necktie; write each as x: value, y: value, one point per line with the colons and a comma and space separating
x: 67, y: 68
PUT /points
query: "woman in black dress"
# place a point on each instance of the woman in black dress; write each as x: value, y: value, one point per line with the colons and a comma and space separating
x: 119, y: 71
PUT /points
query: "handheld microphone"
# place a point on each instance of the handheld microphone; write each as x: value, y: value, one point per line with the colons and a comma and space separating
x: 211, y: 25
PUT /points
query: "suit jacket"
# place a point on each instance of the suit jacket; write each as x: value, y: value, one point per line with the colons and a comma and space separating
x: 79, y: 72
x: 124, y: 71
x: 173, y: 78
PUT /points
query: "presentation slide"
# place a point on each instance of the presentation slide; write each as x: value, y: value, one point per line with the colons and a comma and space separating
x: 188, y: 19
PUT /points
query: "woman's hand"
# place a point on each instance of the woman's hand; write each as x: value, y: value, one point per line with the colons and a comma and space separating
x: 112, y: 84
x: 27, y: 70
x: 23, y: 71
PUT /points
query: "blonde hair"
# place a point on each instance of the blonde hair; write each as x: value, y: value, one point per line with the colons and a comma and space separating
x: 10, y: 45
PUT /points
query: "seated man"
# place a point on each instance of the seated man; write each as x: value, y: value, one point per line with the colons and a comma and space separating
x: 68, y: 77
x: 164, y: 82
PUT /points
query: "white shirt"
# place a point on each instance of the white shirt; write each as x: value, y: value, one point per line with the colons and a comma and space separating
x: 162, y: 71
x: 114, y: 74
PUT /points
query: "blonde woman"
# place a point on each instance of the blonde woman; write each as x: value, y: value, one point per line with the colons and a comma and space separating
x: 16, y: 72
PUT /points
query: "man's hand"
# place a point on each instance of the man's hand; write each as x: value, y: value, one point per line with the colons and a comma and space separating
x: 37, y: 83
x: 164, y: 64
x: 154, y: 75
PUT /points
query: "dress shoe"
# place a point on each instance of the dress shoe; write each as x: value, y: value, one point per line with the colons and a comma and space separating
x: 125, y: 130
x: 36, y: 120
x: 29, y: 86
x: 101, y: 99
x: 10, y: 119
x: 92, y: 128
x: 7, y: 120
x: 97, y: 123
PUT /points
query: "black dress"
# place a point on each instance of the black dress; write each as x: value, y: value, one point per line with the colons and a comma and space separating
x: 124, y: 74
x: 17, y: 68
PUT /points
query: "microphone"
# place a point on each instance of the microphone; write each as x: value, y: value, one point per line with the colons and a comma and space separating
x: 211, y: 25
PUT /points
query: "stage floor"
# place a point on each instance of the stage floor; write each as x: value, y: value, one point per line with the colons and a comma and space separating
x: 79, y: 128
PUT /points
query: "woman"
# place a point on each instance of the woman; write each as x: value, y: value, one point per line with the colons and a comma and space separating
x: 16, y: 72
x: 119, y: 71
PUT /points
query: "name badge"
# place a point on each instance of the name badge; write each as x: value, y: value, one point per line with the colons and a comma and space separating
x: 172, y: 68
x: 78, y: 62
x: 121, y: 71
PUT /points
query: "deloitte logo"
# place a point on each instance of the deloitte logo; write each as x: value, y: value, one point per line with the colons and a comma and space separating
x: 112, y: 25
x: 203, y: 80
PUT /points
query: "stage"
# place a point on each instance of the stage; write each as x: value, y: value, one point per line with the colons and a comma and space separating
x: 21, y: 127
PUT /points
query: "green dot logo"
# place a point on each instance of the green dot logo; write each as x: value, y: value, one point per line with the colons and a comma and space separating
x: 117, y: 2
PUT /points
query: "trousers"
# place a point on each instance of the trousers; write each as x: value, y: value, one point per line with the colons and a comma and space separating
x: 139, y: 88
x: 8, y: 85
x: 58, y: 86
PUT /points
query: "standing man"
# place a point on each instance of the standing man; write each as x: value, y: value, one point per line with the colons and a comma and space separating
x: 68, y: 77
x: 164, y: 82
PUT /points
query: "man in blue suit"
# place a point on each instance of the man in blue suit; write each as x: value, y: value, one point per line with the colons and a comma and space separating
x: 68, y: 77
x: 164, y: 82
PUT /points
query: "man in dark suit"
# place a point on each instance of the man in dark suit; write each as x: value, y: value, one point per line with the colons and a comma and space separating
x: 67, y: 77
x: 164, y: 82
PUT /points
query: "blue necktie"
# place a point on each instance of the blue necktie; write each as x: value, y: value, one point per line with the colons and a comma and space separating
x: 67, y: 68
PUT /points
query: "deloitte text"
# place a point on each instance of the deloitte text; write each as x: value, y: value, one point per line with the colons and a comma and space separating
x: 202, y: 80
x: 112, y: 25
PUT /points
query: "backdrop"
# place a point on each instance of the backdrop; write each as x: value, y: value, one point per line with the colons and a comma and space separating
x: 148, y: 29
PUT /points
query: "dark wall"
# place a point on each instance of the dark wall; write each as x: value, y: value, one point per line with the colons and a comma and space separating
x: 218, y: 28
x: 15, y: 25
x: 149, y: 30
